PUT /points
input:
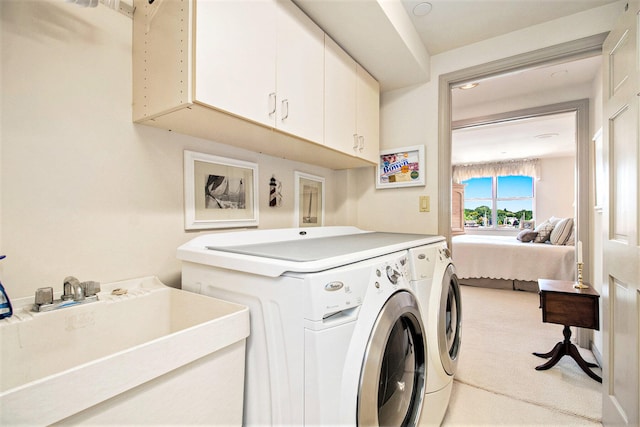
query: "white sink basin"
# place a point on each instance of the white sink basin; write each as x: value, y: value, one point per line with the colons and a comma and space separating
x: 59, y: 363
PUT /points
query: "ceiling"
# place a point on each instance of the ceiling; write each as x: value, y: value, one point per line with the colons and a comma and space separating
x: 526, y: 83
x: 395, y: 45
x: 455, y: 23
x: 537, y: 137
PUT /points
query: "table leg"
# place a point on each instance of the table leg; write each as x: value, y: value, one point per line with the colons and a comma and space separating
x: 553, y: 351
x: 556, y: 355
x: 573, y: 352
x: 567, y: 348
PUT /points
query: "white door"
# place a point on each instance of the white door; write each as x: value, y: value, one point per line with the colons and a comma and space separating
x: 621, y: 291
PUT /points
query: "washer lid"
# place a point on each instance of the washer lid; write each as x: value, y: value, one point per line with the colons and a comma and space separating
x: 323, y: 247
x: 302, y: 254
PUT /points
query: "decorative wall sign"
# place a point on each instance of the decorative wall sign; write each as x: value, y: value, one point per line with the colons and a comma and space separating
x: 309, y: 206
x: 219, y: 192
x: 401, y: 167
x: 275, y: 192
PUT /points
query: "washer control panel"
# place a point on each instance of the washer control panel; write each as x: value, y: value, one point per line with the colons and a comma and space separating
x: 344, y: 288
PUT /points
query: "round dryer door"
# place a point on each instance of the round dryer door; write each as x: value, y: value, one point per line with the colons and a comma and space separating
x: 449, y: 321
x: 392, y: 381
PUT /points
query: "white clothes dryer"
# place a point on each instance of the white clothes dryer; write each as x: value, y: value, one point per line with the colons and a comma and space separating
x: 337, y: 336
x: 433, y: 278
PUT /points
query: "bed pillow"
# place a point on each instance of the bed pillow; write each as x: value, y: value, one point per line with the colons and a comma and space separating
x: 571, y: 240
x: 526, y: 236
x: 544, y: 230
x: 561, y: 232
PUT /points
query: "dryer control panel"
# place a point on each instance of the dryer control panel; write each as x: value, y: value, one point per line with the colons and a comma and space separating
x: 423, y: 260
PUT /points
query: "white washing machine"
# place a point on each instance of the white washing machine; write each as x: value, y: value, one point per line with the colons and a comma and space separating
x: 337, y: 336
x: 433, y: 277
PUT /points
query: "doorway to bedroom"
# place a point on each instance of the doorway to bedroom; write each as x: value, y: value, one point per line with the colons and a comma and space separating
x: 497, y: 109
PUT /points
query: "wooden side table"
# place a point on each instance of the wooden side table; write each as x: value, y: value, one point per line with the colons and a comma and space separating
x: 563, y: 304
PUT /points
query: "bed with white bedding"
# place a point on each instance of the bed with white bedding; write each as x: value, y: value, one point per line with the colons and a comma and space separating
x: 505, y: 262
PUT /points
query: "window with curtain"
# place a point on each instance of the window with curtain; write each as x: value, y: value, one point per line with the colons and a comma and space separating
x: 497, y: 195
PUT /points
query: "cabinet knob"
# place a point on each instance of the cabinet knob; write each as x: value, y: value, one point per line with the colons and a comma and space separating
x: 285, y: 108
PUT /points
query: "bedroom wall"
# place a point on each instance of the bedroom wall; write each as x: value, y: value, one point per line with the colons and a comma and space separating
x: 555, y: 190
x: 84, y: 191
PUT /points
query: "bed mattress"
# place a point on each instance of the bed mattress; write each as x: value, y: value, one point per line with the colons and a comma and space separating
x: 505, y: 257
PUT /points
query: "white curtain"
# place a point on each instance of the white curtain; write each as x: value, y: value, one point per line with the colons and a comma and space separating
x: 526, y: 167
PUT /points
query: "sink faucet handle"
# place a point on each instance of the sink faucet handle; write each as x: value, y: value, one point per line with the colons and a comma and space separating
x: 44, y: 296
x: 90, y: 288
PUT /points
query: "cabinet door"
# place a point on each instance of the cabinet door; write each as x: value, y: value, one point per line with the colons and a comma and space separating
x: 235, y: 58
x: 300, y: 74
x: 368, y: 115
x: 339, y: 98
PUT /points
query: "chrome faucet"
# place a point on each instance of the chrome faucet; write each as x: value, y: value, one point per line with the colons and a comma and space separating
x: 74, y: 292
x: 72, y: 289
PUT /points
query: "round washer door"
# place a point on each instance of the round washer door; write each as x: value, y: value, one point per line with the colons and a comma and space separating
x: 392, y: 380
x: 449, y: 321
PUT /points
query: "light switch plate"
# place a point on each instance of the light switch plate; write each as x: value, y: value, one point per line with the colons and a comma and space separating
x: 424, y: 204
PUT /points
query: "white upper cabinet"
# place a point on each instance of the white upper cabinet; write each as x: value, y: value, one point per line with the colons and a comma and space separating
x: 263, y: 63
x: 368, y: 115
x: 352, y: 99
x: 235, y: 58
x: 339, y: 98
x: 251, y: 76
x: 300, y: 74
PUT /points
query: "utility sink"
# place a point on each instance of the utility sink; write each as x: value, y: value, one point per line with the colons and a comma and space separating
x: 153, y: 355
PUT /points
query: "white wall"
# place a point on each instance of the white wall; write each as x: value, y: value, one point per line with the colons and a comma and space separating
x: 85, y: 191
x: 410, y: 116
x: 555, y: 190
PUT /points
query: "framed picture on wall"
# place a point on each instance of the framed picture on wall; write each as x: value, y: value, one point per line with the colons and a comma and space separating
x: 219, y: 192
x: 309, y: 203
x: 401, y: 167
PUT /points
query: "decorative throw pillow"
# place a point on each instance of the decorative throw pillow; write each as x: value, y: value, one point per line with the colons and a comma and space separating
x: 544, y: 230
x: 562, y: 231
x: 526, y: 235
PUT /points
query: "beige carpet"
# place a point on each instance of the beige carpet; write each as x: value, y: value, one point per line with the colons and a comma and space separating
x: 496, y: 383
